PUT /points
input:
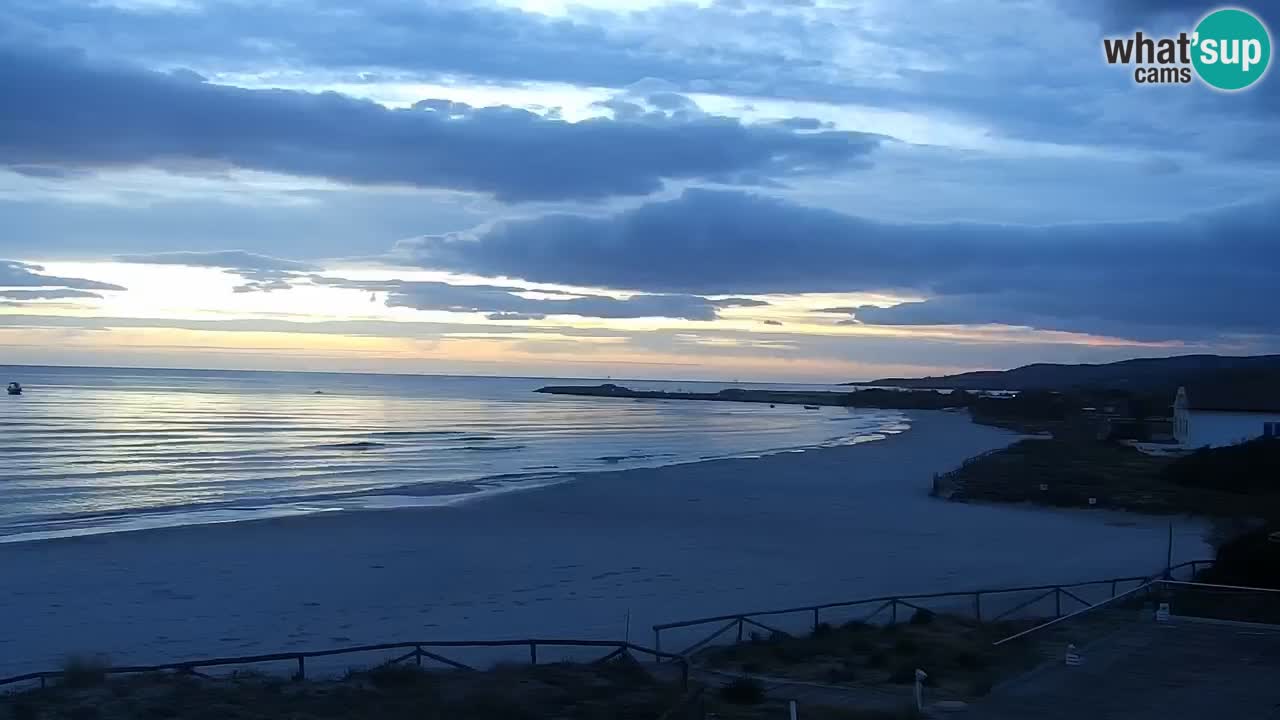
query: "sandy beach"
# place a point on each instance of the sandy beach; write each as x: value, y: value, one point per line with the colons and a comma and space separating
x: 570, y: 560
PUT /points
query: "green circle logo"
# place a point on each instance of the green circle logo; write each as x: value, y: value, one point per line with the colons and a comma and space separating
x: 1232, y: 49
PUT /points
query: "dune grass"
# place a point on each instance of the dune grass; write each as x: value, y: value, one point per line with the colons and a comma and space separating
x: 570, y: 691
x: 956, y: 652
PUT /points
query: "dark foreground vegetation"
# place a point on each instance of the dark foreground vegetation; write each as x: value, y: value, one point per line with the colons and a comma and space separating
x: 1241, y: 481
x: 618, y: 690
x: 955, y: 651
x: 563, y: 691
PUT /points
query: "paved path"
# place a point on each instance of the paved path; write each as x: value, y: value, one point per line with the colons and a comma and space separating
x: 1183, y: 669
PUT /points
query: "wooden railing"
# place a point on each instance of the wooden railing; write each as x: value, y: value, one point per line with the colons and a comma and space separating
x: 1069, y: 592
x: 416, y: 651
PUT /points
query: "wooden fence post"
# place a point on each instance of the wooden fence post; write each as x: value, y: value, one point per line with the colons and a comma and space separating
x: 1057, y: 601
x: 302, y: 667
x: 815, y: 620
x: 977, y: 606
x: 533, y: 653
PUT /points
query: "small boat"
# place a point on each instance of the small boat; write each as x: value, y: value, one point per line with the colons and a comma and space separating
x: 14, y: 388
x: 811, y: 407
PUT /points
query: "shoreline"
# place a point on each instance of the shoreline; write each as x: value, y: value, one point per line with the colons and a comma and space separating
x: 426, y: 495
x: 578, y: 558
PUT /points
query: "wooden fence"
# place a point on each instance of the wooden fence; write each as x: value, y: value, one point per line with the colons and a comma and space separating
x: 1066, y: 597
x: 415, y: 651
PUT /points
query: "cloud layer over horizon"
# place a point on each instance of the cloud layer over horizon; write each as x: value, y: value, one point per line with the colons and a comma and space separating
x: 749, y: 183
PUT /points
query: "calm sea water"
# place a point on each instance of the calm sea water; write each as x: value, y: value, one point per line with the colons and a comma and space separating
x: 89, y: 450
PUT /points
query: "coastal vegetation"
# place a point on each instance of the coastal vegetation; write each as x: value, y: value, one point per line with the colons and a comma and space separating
x: 559, y: 691
x: 507, y: 692
x: 956, y: 652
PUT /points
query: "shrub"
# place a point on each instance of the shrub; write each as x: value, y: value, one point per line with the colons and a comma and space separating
x: 906, y: 645
x: 83, y: 671
x: 743, y: 691
x: 385, y: 677
x: 822, y: 630
x: 903, y: 675
x: 970, y: 660
x: 981, y: 687
x: 842, y: 674
x: 1249, y: 467
x: 922, y: 617
x: 23, y: 710
x: 878, y: 659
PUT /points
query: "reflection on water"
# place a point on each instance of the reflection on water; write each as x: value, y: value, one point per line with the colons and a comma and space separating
x: 88, y: 450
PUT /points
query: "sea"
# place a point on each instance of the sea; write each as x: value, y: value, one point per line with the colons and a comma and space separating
x: 94, y: 450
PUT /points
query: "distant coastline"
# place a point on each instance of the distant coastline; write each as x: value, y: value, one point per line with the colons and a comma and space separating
x: 877, y: 398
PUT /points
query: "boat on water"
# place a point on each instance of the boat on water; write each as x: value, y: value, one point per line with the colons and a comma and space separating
x: 14, y: 389
x: 811, y: 407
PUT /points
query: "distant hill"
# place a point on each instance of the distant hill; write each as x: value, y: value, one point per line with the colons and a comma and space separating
x: 1141, y: 375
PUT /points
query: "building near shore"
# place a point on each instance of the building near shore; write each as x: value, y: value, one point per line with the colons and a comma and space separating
x: 1226, y: 414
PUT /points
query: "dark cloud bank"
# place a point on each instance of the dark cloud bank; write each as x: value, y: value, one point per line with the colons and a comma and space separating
x: 1211, y: 274
x: 67, y: 113
x: 21, y: 282
x: 503, y: 302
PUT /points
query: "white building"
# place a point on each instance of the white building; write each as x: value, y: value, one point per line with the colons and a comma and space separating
x: 1214, y: 416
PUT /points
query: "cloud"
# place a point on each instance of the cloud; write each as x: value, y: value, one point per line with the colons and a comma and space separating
x: 502, y: 302
x: 14, y: 273
x: 263, y: 272
x: 1130, y: 14
x: 1210, y: 273
x: 77, y: 114
x: 514, y: 316
x: 47, y: 294
x: 238, y: 260
x: 753, y: 47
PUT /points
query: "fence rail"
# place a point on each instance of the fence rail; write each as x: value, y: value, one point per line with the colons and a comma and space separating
x: 417, y: 651
x: 420, y: 651
x: 891, y: 603
x: 1163, y: 588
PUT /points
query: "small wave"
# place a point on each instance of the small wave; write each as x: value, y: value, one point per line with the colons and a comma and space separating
x: 615, y: 459
x: 416, y: 433
x: 492, y: 448
x: 354, y: 446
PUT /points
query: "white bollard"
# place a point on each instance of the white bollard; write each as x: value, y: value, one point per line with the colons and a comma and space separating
x: 793, y: 709
x: 1073, y: 658
x: 920, y: 678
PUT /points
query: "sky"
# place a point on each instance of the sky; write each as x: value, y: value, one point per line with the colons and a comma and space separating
x: 773, y: 190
